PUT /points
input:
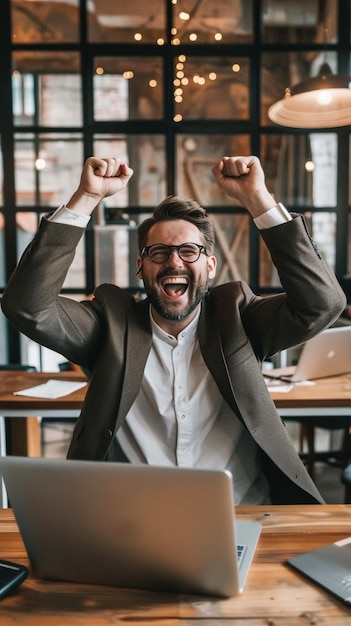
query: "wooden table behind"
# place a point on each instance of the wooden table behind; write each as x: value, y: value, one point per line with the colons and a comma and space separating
x: 24, y: 430
x: 274, y: 594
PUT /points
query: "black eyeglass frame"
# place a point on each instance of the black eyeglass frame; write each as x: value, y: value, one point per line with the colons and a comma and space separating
x: 146, y: 251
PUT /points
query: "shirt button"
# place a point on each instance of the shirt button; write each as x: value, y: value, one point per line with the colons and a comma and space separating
x: 108, y: 433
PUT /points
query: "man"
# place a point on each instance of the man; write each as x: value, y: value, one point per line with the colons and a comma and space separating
x: 176, y: 378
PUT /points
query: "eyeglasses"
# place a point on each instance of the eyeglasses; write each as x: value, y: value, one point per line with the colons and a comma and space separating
x: 160, y: 253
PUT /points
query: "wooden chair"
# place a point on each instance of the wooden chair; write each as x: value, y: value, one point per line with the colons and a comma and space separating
x: 307, y: 433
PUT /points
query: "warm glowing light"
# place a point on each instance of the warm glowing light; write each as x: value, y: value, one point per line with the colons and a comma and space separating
x: 40, y: 164
x: 176, y: 82
x: 178, y: 99
x: 178, y: 118
x: 174, y: 31
x: 178, y: 92
x: 176, y: 41
x: 153, y: 82
x: 180, y: 74
x: 128, y: 74
x: 138, y: 36
x: 99, y: 70
x: 160, y: 41
x: 309, y: 166
x: 324, y: 96
x: 236, y: 67
x: 182, y: 58
x: 183, y: 15
x: 199, y: 80
x: 212, y: 75
x: 180, y: 66
x: 193, y: 36
x: 218, y: 36
x: 185, y: 81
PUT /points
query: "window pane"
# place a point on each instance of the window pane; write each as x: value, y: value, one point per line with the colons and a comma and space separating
x: 146, y: 154
x: 301, y: 169
x: 128, y: 88
x: 211, y: 88
x: 299, y: 21
x: 196, y: 155
x: 223, y: 21
x: 232, y: 247
x: 127, y: 22
x: 46, y: 89
x: 45, y: 166
x: 116, y: 253
x: 44, y: 22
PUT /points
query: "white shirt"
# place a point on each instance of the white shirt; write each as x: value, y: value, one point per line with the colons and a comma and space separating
x: 179, y: 417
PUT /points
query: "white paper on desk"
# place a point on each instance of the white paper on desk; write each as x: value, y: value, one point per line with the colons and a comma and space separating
x: 278, y: 386
x: 52, y: 389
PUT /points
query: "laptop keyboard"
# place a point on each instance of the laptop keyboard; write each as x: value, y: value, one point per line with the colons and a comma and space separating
x: 240, y: 551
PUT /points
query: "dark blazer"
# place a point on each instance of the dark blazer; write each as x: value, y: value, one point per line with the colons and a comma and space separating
x: 111, y: 337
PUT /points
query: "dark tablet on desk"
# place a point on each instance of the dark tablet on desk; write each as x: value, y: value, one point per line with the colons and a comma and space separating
x: 329, y: 567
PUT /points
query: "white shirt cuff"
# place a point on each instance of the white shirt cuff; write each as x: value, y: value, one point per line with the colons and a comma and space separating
x: 273, y: 217
x: 63, y: 215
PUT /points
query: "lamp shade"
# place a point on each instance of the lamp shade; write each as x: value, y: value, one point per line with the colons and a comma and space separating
x: 320, y: 102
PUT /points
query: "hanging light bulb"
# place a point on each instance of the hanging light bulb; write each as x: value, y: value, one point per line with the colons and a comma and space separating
x: 320, y: 102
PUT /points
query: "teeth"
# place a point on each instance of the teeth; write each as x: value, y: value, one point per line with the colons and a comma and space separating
x: 175, y: 280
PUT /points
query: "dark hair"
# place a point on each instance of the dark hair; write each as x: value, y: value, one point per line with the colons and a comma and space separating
x: 174, y: 208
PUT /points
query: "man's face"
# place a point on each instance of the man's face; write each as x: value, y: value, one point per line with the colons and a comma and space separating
x: 176, y: 287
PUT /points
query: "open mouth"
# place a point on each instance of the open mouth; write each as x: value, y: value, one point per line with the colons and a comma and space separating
x: 174, y: 286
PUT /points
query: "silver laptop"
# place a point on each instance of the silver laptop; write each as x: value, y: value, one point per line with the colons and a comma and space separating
x: 146, y: 527
x: 327, y: 354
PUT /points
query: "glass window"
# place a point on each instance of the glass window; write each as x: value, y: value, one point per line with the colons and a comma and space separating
x: 211, y: 88
x: 45, y: 166
x: 44, y: 22
x: 299, y: 21
x: 223, y: 21
x: 196, y: 155
x: 128, y: 88
x: 232, y: 247
x: 146, y: 155
x: 46, y: 89
x: 127, y: 22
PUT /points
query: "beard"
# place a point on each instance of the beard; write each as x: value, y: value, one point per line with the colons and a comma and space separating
x: 170, y: 313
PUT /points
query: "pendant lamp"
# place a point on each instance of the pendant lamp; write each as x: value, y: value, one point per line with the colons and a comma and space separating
x: 320, y: 102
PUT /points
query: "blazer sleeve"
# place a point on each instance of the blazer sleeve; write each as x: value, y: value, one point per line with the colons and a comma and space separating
x: 32, y: 303
x: 312, y: 298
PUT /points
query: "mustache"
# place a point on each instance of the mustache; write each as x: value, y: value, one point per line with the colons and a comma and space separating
x: 169, y: 272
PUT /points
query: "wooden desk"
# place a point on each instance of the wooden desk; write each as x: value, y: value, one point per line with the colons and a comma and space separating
x: 274, y: 595
x: 326, y: 396
x: 25, y: 431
